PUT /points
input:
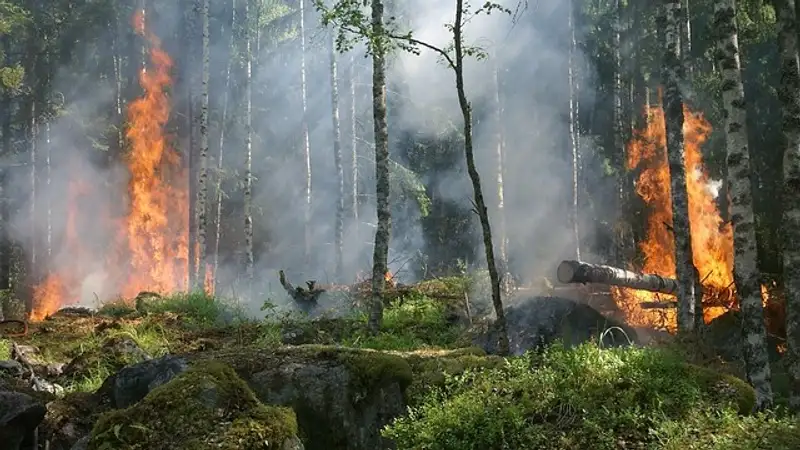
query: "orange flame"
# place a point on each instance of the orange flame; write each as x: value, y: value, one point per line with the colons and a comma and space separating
x: 712, y: 239
x: 151, y: 250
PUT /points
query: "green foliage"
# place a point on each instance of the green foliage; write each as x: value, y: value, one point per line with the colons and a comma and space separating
x: 579, y: 398
x: 197, y: 308
x: 725, y: 430
x: 5, y: 349
x: 408, y: 183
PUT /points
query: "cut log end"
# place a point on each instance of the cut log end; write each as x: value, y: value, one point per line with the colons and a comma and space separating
x: 565, y: 273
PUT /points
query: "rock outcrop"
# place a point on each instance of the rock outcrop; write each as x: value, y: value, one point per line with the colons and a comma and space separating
x: 206, y: 407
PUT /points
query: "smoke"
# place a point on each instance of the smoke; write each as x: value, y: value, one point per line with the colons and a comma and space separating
x: 528, y: 51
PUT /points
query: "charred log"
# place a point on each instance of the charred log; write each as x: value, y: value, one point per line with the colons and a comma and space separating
x: 307, y: 298
x: 580, y: 272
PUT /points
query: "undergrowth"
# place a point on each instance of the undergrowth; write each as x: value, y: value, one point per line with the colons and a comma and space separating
x: 588, y: 397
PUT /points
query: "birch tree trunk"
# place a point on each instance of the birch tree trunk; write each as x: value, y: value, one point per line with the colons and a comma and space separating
x: 383, y: 230
x: 306, y: 143
x: 7, y: 151
x: 353, y: 143
x: 337, y: 161
x: 223, y: 126
x: 624, y: 242
x: 686, y: 39
x: 789, y: 93
x: 248, y: 24
x: 192, y: 82
x: 745, y: 270
x: 201, y: 205
x: 33, y: 135
x: 573, y: 133
x: 500, y: 164
x: 480, y: 204
x: 673, y: 77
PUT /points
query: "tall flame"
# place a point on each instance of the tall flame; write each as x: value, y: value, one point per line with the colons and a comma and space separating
x: 712, y: 238
x: 151, y: 248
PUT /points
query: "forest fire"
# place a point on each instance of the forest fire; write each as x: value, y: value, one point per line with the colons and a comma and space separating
x: 150, y: 251
x: 712, y: 239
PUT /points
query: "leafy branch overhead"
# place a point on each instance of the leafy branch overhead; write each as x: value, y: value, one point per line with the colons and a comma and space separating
x: 352, y: 21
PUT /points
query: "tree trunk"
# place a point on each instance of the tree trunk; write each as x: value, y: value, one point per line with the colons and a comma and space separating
x: 581, y: 272
x: 191, y: 82
x: 33, y: 135
x: 500, y: 164
x: 353, y: 143
x: 248, y: 23
x: 480, y: 204
x: 222, y: 127
x: 745, y: 270
x: 306, y: 143
x: 573, y: 134
x: 6, y: 246
x: 201, y: 205
x: 686, y: 39
x: 337, y: 161
x: 789, y: 94
x: 673, y: 77
x: 383, y: 230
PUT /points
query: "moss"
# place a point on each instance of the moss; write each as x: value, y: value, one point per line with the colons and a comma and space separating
x: 430, y: 371
x: 207, y: 405
x: 727, y: 387
x: 5, y: 349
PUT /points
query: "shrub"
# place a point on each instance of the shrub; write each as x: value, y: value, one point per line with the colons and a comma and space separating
x: 579, y: 398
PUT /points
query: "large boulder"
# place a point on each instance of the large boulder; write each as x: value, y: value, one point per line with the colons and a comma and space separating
x: 133, y: 383
x: 342, y: 397
x: 535, y: 322
x: 206, y: 407
x: 20, y: 415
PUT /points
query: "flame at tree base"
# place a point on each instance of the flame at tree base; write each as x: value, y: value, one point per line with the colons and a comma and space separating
x: 712, y: 238
x: 150, y: 248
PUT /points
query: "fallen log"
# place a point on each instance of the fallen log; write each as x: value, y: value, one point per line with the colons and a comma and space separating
x: 580, y: 272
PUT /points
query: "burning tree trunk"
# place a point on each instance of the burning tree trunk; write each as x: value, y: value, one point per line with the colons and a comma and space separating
x: 222, y: 127
x: 673, y: 78
x: 248, y: 144
x: 789, y: 94
x: 745, y: 268
x: 573, y: 134
x: 306, y: 144
x: 383, y: 232
x: 580, y: 272
x: 337, y: 160
x: 201, y: 205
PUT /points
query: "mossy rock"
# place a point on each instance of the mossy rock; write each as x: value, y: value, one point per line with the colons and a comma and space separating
x: 206, y: 407
x: 430, y: 369
x: 342, y: 397
x: 727, y: 388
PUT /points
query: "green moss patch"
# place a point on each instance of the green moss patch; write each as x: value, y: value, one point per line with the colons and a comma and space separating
x: 207, y: 407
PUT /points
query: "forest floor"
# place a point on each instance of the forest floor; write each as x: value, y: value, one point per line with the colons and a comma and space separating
x: 587, y: 396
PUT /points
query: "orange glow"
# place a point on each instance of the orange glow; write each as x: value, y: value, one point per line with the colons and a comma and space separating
x: 150, y: 251
x: 712, y: 239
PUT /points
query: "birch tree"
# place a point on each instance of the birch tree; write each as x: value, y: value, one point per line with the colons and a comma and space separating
x: 573, y: 132
x: 222, y: 128
x: 201, y: 205
x: 248, y: 23
x: 306, y: 143
x: 789, y: 94
x: 673, y: 77
x: 745, y: 271
x: 337, y: 161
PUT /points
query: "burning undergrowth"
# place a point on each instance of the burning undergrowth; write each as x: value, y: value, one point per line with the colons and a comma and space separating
x: 148, y: 247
